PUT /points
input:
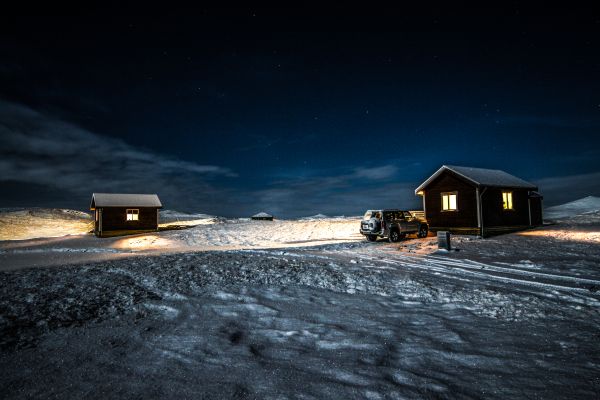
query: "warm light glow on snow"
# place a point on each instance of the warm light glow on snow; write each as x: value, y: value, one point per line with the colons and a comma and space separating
x: 193, y: 222
x: 145, y: 242
x: 560, y: 234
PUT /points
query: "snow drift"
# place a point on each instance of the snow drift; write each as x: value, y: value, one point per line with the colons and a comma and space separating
x: 243, y: 233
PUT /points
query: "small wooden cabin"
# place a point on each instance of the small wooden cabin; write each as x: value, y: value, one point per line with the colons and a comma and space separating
x: 117, y: 213
x: 479, y: 201
x: 262, y: 216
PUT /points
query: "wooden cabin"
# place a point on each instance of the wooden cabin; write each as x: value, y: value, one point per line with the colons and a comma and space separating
x: 119, y: 214
x: 262, y: 216
x: 479, y: 201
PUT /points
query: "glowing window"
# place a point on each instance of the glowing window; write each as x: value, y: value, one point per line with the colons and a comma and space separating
x: 133, y: 214
x: 507, y: 202
x: 449, y: 201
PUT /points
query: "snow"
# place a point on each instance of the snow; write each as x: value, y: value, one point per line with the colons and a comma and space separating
x: 28, y: 223
x: 171, y: 216
x: 313, y: 217
x: 302, y: 309
x: 239, y: 234
x: 589, y: 204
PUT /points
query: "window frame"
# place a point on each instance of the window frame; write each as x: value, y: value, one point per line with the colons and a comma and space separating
x: 454, y: 193
x: 505, y: 204
x: 135, y: 214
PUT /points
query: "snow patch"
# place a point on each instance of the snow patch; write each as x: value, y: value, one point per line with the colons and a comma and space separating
x: 589, y: 204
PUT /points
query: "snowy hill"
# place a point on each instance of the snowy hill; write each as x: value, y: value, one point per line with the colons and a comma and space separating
x: 585, y: 205
x: 314, y: 217
x: 323, y: 216
x: 28, y: 223
x: 241, y: 233
x: 178, y: 216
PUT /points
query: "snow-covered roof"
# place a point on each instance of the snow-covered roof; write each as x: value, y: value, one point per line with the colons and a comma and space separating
x: 262, y: 215
x: 124, y: 200
x: 481, y: 177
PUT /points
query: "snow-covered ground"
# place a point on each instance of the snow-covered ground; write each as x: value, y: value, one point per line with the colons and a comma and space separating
x: 171, y: 217
x: 28, y: 223
x: 304, y: 309
x: 585, y: 205
x: 279, y: 233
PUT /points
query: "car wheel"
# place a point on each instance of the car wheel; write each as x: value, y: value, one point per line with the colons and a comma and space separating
x: 395, y: 236
x: 371, y: 238
x: 422, y: 231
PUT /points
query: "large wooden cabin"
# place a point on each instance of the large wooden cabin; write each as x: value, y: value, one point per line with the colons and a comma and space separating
x: 479, y: 201
x: 118, y: 214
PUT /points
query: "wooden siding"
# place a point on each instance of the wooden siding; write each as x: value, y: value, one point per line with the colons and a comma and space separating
x: 465, y: 217
x: 494, y: 215
x: 115, y: 219
x: 494, y: 218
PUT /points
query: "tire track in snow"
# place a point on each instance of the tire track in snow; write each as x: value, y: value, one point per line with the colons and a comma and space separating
x: 453, y: 270
x: 515, y: 271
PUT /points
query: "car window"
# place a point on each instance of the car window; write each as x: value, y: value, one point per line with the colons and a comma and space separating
x: 407, y: 215
x: 368, y: 215
x: 388, y: 216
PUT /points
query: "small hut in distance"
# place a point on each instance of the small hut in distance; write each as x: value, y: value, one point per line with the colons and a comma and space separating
x: 262, y: 216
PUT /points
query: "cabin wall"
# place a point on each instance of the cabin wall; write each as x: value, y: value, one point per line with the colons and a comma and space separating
x: 494, y: 215
x: 465, y: 218
x: 115, y: 219
x: 536, y: 211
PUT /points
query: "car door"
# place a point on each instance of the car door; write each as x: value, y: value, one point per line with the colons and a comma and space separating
x: 388, y: 219
x: 411, y: 223
x: 400, y: 221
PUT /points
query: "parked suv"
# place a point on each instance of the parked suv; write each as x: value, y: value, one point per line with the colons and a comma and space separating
x: 391, y: 224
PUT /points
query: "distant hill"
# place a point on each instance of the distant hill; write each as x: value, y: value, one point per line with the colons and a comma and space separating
x: 585, y: 205
x: 314, y: 217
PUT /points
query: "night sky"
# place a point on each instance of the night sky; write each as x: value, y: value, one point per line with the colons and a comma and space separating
x: 231, y: 113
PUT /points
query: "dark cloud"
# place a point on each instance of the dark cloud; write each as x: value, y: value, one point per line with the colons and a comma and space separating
x: 376, y: 173
x: 562, y: 189
x: 43, y: 151
x: 344, y: 193
x: 46, y: 161
x: 66, y: 163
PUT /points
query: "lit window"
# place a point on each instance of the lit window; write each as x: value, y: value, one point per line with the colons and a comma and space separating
x: 133, y: 214
x: 449, y: 201
x: 507, y: 203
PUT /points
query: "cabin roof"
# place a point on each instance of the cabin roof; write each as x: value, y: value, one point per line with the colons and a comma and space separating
x: 481, y: 177
x: 124, y: 200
